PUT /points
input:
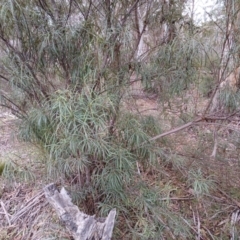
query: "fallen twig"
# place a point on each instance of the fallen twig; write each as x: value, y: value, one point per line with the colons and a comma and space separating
x: 229, y: 197
x: 177, y: 198
x: 5, y: 213
x: 30, y: 204
x: 189, y: 124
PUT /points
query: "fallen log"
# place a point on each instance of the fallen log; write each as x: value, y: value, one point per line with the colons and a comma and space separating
x: 80, y: 225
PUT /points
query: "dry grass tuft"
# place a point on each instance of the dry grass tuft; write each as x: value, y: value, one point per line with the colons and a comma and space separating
x: 25, y: 214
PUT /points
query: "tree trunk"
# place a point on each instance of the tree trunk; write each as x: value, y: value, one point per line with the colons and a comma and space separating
x: 231, y: 83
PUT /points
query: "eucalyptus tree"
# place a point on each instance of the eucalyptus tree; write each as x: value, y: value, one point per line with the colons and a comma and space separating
x: 65, y: 66
x: 224, y: 59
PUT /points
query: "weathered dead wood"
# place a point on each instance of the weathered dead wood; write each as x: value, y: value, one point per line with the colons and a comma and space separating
x: 81, y: 225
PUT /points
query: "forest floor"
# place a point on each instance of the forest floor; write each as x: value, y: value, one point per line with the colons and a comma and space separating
x: 25, y: 213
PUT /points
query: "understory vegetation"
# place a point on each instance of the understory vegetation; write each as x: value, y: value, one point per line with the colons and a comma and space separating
x: 134, y: 106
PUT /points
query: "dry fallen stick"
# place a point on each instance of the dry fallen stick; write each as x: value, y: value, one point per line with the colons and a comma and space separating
x: 34, y: 201
x: 229, y: 197
x: 177, y: 198
x: 189, y: 124
x: 81, y: 225
x: 6, y: 213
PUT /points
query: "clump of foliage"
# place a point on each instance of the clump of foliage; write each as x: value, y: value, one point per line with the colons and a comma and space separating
x: 102, y: 165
